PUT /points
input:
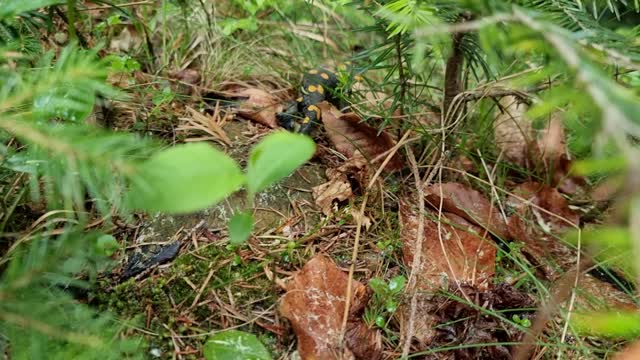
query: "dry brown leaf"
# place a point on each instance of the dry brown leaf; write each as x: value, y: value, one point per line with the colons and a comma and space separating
x: 631, y: 352
x: 348, y: 134
x: 539, y: 230
x: 338, y: 188
x: 259, y: 106
x: 597, y: 295
x: 128, y: 39
x: 552, y: 144
x: 461, y: 253
x: 546, y: 153
x: 513, y: 132
x: 314, y: 304
x: 468, y: 204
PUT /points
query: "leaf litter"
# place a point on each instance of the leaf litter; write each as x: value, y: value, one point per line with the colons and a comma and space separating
x: 314, y: 304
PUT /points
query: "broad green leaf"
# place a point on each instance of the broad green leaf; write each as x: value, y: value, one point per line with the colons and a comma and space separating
x: 275, y: 157
x: 611, y: 246
x: 599, y: 166
x: 183, y: 179
x: 10, y: 8
x: 240, y: 227
x: 614, y: 324
x: 234, y: 344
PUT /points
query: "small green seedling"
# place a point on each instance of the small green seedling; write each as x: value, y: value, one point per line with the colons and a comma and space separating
x: 386, y: 298
x: 522, y: 321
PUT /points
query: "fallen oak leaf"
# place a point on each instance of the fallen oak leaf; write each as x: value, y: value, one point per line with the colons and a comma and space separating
x: 314, y: 304
x: 469, y: 204
x: 338, y: 188
x: 462, y: 251
x: 259, y: 106
x: 349, y: 134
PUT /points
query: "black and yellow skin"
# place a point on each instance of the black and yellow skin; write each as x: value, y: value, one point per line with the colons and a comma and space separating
x: 318, y: 85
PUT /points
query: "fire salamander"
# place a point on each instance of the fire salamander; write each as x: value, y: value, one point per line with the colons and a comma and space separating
x: 319, y: 84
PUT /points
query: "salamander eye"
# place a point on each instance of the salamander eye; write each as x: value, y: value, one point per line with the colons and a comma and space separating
x: 313, y: 71
x: 357, y: 78
x: 324, y: 76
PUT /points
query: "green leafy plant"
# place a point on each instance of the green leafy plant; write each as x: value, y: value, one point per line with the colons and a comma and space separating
x: 81, y: 172
x: 385, y: 301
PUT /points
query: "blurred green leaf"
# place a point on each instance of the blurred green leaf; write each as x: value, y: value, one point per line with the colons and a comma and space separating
x: 184, y: 178
x: 240, y: 227
x: 10, y: 8
x: 599, y: 166
x: 613, y: 324
x: 65, y: 102
x: 234, y: 344
x: 276, y: 157
x: 609, y: 245
x: 107, y: 245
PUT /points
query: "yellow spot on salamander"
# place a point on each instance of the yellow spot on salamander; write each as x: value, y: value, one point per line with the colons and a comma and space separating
x: 313, y: 71
x: 358, y: 78
x: 324, y: 76
x: 306, y: 120
x: 299, y: 99
x: 314, y: 88
x: 315, y: 109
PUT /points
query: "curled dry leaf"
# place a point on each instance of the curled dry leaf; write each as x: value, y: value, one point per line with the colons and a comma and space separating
x: 455, y: 251
x: 349, y: 134
x: 513, y: 132
x: 469, y: 204
x: 259, y: 106
x: 545, y: 152
x: 314, y: 304
x: 338, y: 188
x: 541, y: 215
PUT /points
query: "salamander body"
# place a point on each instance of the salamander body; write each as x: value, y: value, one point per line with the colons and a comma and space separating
x: 303, y: 114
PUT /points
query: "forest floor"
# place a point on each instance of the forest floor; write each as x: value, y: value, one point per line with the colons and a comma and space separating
x: 455, y: 251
